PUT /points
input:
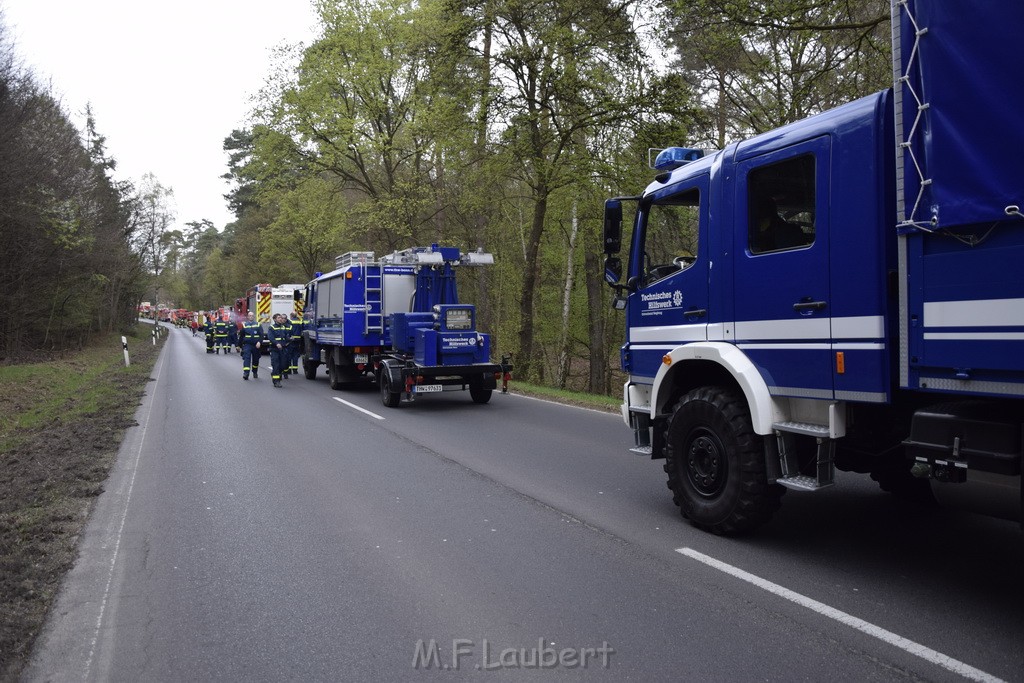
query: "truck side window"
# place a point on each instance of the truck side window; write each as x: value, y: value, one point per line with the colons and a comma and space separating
x: 780, y: 201
x: 670, y: 243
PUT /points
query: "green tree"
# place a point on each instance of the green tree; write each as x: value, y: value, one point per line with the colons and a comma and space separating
x: 568, y: 69
x: 759, y: 64
x: 67, y: 268
x: 154, y: 218
x: 351, y: 113
x: 307, y: 233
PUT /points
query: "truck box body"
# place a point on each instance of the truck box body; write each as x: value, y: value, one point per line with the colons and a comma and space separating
x: 961, y: 172
x: 340, y: 306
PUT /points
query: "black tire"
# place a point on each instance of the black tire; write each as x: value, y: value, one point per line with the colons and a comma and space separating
x: 389, y: 398
x: 332, y: 373
x: 716, y: 464
x: 479, y: 395
x: 309, y: 368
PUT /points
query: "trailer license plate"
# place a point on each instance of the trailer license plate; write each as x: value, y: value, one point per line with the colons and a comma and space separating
x: 426, y: 388
x: 363, y: 358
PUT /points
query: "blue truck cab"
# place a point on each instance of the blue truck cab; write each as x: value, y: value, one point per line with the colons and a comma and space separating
x: 842, y: 292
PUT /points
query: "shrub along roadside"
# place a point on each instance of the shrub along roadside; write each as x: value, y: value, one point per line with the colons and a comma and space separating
x: 61, y: 424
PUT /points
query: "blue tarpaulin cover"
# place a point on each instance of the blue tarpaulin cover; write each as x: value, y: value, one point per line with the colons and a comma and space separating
x: 968, y: 70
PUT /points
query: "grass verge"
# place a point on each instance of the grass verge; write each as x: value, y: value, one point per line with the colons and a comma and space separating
x: 61, y: 424
x: 608, y: 404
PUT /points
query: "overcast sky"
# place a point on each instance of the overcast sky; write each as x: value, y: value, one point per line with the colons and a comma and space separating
x: 168, y: 81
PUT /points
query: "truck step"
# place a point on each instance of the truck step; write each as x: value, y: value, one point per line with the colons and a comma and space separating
x: 802, y: 483
x: 642, y: 450
x: 808, y: 428
x: 788, y: 471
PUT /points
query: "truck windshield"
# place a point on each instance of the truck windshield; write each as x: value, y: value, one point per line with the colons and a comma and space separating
x: 670, y: 238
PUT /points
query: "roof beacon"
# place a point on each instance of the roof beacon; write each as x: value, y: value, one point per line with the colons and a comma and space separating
x: 672, y: 158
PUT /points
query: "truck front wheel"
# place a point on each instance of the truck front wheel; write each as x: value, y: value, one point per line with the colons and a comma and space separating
x: 715, y: 463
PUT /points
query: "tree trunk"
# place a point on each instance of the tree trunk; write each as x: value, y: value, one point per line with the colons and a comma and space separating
x: 484, y: 317
x: 570, y: 263
x: 596, y: 312
x: 531, y: 276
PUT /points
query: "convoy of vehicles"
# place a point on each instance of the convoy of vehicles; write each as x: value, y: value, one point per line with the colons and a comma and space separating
x: 843, y: 292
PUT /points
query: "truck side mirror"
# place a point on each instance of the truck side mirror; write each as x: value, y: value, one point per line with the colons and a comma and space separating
x: 612, y: 227
x: 612, y: 269
x: 298, y: 294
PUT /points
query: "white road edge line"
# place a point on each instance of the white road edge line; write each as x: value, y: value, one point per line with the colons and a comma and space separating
x: 124, y: 517
x: 566, y: 405
x: 926, y: 653
x: 355, y: 407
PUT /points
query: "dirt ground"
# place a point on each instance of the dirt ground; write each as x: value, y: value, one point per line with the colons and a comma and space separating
x: 50, y: 475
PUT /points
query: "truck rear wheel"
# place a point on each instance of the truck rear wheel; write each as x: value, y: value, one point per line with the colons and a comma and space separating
x: 389, y: 398
x: 333, y: 374
x: 715, y: 463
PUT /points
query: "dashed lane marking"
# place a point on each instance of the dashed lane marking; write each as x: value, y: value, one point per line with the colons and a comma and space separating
x: 355, y: 407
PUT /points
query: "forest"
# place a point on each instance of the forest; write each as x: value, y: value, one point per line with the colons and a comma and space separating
x: 493, y: 124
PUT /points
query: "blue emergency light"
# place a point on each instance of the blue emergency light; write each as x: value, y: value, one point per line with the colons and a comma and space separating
x: 672, y: 158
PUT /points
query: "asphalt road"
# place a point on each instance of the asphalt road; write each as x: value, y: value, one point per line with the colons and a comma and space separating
x: 251, y: 533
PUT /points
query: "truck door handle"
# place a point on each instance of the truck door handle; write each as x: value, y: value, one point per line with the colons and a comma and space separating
x: 696, y: 313
x: 808, y: 306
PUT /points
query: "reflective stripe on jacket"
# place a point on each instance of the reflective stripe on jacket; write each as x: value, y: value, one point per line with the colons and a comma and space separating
x: 279, y: 334
x: 250, y: 333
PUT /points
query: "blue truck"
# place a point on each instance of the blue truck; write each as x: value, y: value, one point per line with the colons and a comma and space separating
x: 397, y: 321
x: 845, y: 292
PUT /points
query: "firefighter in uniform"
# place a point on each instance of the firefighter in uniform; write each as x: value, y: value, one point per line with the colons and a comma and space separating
x: 279, y: 335
x: 221, y: 334
x: 211, y: 332
x: 250, y: 340
x: 295, y: 347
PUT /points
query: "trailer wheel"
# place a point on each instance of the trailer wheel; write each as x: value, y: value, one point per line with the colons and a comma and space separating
x: 715, y: 463
x: 478, y: 394
x: 389, y: 398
